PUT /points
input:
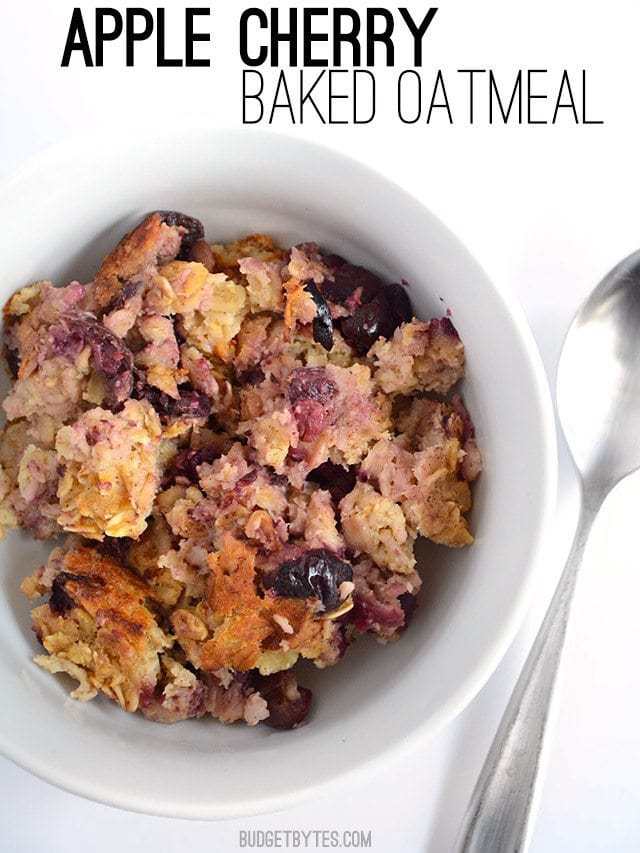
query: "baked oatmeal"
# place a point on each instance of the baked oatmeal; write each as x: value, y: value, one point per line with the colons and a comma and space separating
x: 240, y: 445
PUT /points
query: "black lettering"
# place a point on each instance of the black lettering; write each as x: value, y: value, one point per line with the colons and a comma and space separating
x: 334, y: 96
x: 439, y: 85
x: 585, y: 120
x: 495, y: 94
x: 385, y: 37
x: 291, y: 37
x: 565, y: 83
x: 249, y: 97
x: 192, y: 37
x: 77, y: 40
x: 372, y: 79
x: 263, y: 23
x: 308, y: 96
x: 531, y: 97
x: 409, y: 74
x: 340, y: 37
x: 132, y: 35
x: 417, y: 32
x: 162, y: 60
x: 103, y: 35
x: 309, y: 37
x: 282, y: 85
x: 471, y: 72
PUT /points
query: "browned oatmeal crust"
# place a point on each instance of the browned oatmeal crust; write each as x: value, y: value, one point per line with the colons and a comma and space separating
x: 97, y: 621
x: 135, y: 253
x: 260, y: 246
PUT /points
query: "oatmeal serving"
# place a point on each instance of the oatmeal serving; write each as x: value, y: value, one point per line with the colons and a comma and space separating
x: 241, y: 445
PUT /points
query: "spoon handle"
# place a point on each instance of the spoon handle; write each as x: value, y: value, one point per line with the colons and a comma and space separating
x: 498, y: 814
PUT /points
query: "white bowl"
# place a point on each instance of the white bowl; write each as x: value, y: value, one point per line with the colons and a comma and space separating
x: 59, y: 217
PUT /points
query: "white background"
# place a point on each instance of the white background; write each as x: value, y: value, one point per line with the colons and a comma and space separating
x: 547, y: 211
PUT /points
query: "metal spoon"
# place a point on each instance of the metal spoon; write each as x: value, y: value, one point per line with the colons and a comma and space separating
x: 598, y: 399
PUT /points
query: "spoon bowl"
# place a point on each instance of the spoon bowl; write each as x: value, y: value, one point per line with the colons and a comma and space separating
x: 598, y: 384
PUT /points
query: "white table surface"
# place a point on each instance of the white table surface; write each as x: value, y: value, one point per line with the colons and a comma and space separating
x: 547, y: 211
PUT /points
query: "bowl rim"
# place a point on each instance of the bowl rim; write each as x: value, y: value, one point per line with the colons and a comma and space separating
x: 479, y: 675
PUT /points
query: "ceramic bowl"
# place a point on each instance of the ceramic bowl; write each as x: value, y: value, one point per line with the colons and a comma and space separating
x: 60, y: 215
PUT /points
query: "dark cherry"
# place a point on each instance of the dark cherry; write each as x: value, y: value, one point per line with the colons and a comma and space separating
x: 368, y: 323
x: 336, y: 479
x: 186, y: 463
x: 249, y: 478
x: 317, y: 573
x: 369, y: 614
x: 279, y: 480
x: 311, y: 383
x: 347, y: 278
x: 193, y: 228
x: 310, y: 391
x: 252, y: 376
x: 377, y: 308
x: 128, y: 291
x: 296, y: 454
x: 284, y: 712
x: 408, y: 602
x: 311, y: 419
x: 379, y: 317
x: 190, y: 404
x: 398, y: 299
x: 111, y: 358
x: 332, y: 262
x: 68, y: 337
x: 322, y: 323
